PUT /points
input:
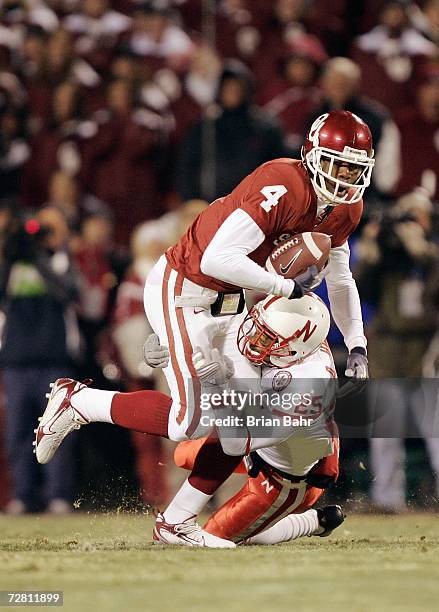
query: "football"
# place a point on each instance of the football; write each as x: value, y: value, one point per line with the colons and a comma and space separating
x: 293, y: 256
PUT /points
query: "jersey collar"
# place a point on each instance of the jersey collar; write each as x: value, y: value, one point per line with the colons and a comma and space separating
x: 323, y: 211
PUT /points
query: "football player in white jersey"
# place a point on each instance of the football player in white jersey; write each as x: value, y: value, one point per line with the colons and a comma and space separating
x: 286, y: 346
x: 290, y: 463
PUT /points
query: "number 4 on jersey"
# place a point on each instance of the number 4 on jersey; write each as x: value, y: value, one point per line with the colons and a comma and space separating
x: 273, y: 193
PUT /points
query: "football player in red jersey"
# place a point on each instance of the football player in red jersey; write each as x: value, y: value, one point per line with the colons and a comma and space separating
x: 193, y: 296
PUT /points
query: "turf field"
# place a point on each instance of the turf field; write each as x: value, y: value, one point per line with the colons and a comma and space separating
x: 106, y: 562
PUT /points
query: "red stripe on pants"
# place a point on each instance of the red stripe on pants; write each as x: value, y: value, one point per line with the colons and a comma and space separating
x: 171, y: 342
x: 188, y: 350
x: 244, y: 509
x: 292, y: 496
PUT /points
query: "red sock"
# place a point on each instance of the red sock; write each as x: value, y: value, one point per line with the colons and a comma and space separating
x: 212, y: 467
x: 145, y: 411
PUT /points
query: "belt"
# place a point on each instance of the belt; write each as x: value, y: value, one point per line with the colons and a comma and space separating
x: 220, y: 304
x: 255, y: 464
x: 195, y: 301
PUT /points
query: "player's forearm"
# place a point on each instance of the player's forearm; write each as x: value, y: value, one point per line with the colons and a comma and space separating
x: 346, y: 312
x: 344, y: 298
x: 226, y: 257
x: 240, y: 270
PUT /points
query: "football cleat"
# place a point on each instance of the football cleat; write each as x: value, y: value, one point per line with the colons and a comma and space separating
x: 59, y: 419
x: 188, y: 533
x: 330, y: 517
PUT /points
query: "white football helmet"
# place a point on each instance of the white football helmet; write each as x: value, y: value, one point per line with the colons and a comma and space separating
x: 280, y: 332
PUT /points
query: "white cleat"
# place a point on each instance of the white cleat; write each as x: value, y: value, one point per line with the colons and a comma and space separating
x: 59, y: 418
x: 188, y: 533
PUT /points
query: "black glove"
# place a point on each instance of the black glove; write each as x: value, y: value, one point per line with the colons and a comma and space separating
x: 357, y: 364
x: 304, y: 282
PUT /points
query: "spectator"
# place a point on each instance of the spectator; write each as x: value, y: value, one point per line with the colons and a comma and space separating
x: 121, y: 164
x: 331, y: 23
x: 426, y: 19
x: 14, y: 149
x: 14, y: 133
x: 287, y: 23
x: 236, y: 25
x: 292, y: 97
x: 184, y: 217
x: 18, y: 15
x: 233, y: 127
x: 340, y: 83
x: 198, y: 90
x: 64, y: 194
x: 416, y: 162
x: 130, y: 330
x: 57, y: 145
x: 236, y: 30
x: 185, y: 99
x: 159, y: 41
x: 98, y: 30
x: 97, y: 274
x: 392, y: 53
x: 51, y: 61
x: 38, y: 289
x: 61, y: 63
x: 10, y: 45
x: 31, y: 59
x: 395, y: 261
x: 124, y: 65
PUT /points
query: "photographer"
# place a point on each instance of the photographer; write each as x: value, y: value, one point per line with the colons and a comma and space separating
x: 396, y: 259
x: 38, y: 289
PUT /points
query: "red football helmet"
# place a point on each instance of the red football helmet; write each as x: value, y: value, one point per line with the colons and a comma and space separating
x: 335, y: 139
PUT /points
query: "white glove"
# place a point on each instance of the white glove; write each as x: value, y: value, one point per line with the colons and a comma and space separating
x: 211, y: 367
x: 154, y: 354
x: 357, y: 364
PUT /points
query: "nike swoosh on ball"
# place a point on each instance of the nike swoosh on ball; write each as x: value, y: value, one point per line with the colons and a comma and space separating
x: 284, y: 269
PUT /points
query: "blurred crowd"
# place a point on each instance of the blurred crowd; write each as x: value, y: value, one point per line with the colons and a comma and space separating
x: 120, y: 121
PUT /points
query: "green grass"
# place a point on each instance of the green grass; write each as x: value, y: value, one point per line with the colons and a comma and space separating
x: 106, y: 562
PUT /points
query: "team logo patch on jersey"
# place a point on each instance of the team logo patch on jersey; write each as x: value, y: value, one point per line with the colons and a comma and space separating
x: 281, y: 380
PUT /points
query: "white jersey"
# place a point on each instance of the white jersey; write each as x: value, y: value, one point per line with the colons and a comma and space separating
x: 308, y: 394
x: 293, y: 430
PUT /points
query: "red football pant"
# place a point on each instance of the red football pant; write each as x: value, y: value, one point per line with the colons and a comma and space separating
x: 263, y: 500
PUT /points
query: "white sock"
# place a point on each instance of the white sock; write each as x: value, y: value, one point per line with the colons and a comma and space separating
x: 94, y: 404
x: 187, y: 502
x: 289, y: 528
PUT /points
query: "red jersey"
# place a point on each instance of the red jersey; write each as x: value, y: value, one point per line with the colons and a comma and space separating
x: 279, y: 198
x: 340, y: 223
